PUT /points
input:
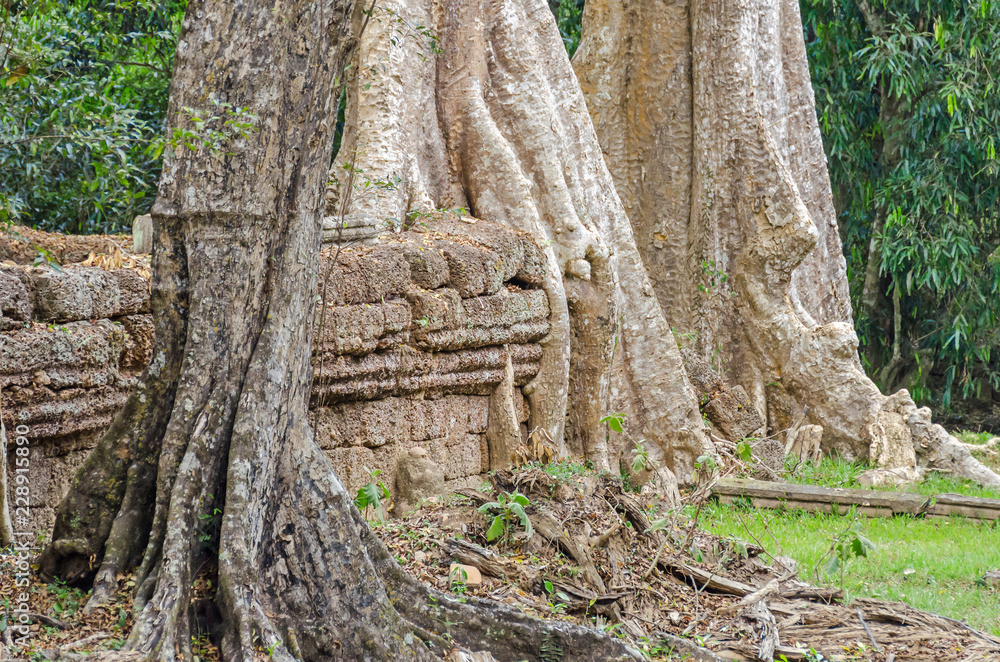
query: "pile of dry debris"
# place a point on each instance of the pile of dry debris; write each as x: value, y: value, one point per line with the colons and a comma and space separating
x: 601, y: 555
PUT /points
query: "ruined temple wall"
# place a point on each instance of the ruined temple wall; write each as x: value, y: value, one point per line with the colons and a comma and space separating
x: 416, y: 335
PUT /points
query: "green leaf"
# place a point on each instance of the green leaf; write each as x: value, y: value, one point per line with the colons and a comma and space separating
x: 496, y: 529
x: 862, y: 546
x: 487, y: 508
x: 614, y: 421
x: 519, y: 498
x: 368, y: 496
x: 832, y: 566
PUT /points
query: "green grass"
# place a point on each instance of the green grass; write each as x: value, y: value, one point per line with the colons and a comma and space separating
x: 932, y: 565
x: 969, y: 437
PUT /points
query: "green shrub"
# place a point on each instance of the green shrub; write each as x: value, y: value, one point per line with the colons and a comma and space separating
x: 82, y: 110
x: 906, y: 95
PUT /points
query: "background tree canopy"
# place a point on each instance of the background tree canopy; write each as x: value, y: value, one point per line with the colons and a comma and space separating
x: 907, y: 97
x: 82, y: 109
x: 907, y: 102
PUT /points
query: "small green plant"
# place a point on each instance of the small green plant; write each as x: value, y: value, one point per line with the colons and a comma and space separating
x: 714, y: 276
x: 744, y: 451
x: 44, y: 257
x: 506, y: 511
x: 640, y: 458
x: 845, y: 545
x: 458, y: 580
x: 67, y: 599
x: 371, y: 495
x: 565, y: 469
x: 684, y: 339
x: 704, y: 467
x: 558, y: 606
x: 614, y: 421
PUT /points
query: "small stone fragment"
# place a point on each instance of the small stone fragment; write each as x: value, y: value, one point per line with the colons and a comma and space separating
x: 459, y: 573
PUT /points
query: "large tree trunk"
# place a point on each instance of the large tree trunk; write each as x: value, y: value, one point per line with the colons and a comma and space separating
x: 706, y: 115
x: 219, y: 424
x: 496, y: 123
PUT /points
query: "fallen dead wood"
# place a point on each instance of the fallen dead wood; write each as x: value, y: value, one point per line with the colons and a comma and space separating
x: 769, y: 589
x: 86, y: 641
x: 705, y: 580
x: 871, y: 637
x: 826, y: 594
x: 633, y: 512
x: 490, y: 563
x: 550, y: 529
x: 577, y: 596
x: 872, y: 503
x: 48, y: 620
x: 738, y: 607
x: 767, y: 630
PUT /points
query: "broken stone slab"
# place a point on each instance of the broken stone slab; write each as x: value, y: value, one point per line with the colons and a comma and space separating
x: 428, y: 267
x: 15, y: 298
x: 142, y: 234
x: 417, y: 478
x: 364, y: 328
x: 869, y: 503
x: 471, y: 271
x: 355, y: 227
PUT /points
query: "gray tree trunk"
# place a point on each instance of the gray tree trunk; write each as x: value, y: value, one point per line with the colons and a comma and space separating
x: 706, y: 115
x: 496, y: 123
x: 219, y: 425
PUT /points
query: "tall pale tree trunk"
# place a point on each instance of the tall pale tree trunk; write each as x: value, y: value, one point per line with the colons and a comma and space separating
x: 706, y: 117
x: 495, y: 122
x: 219, y: 424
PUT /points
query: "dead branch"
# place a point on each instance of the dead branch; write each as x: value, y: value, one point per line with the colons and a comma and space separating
x: 48, y: 620
x: 861, y: 617
x: 769, y: 589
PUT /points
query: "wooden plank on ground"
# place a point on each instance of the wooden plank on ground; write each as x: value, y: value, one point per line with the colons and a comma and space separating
x: 871, y: 503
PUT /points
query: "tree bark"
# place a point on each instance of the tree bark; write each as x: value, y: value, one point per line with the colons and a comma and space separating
x: 6, y: 523
x: 496, y: 123
x: 706, y: 116
x: 219, y: 426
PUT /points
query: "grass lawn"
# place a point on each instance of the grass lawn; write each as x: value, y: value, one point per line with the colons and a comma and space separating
x: 931, y: 564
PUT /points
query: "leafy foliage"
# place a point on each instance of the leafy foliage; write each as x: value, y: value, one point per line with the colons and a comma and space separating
x: 844, y: 545
x: 908, y: 105
x: 81, y: 114
x: 372, y: 494
x: 569, y: 14
x: 507, y: 510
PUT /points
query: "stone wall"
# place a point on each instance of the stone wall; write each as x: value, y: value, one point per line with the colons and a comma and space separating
x: 417, y: 333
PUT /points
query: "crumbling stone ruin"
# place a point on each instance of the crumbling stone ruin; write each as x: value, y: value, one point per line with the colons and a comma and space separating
x: 420, y: 334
